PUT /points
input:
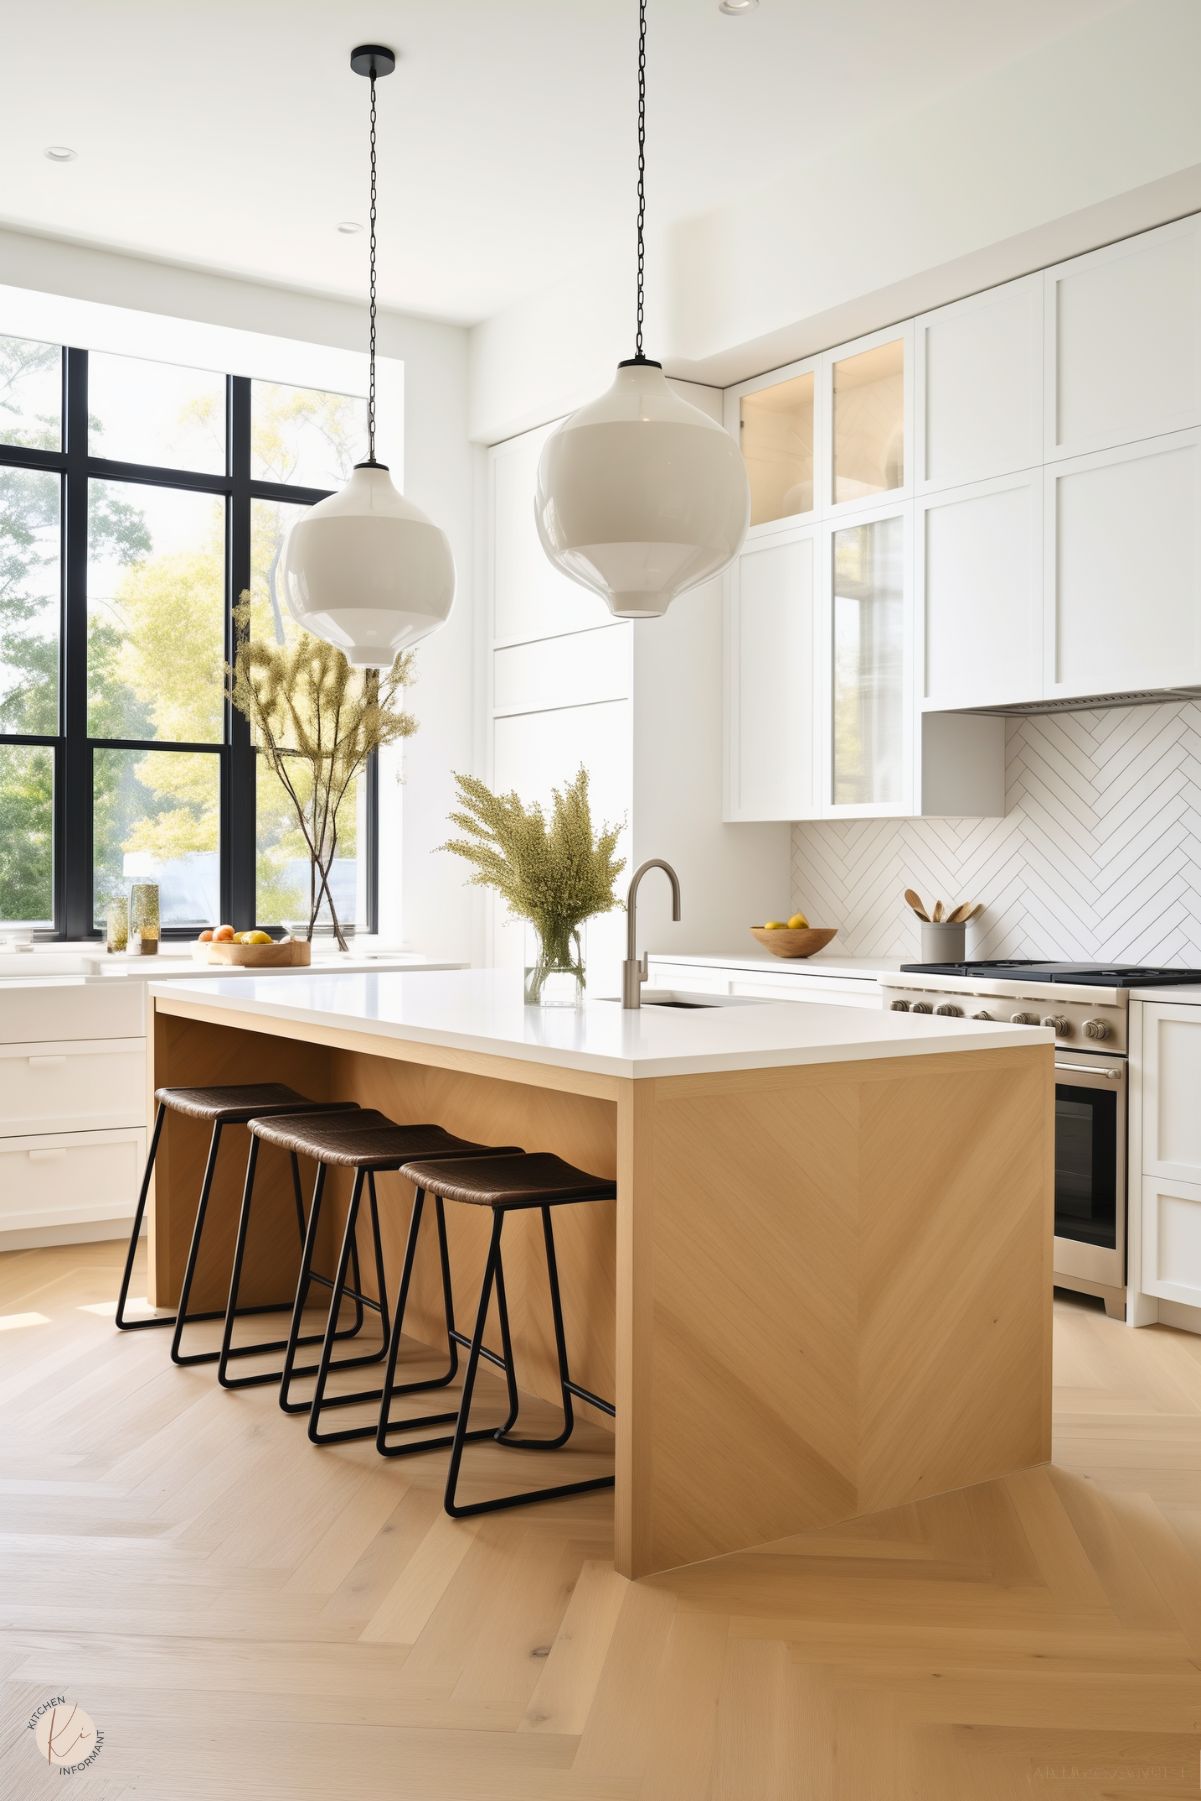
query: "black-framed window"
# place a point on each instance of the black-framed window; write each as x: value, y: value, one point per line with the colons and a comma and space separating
x: 137, y: 501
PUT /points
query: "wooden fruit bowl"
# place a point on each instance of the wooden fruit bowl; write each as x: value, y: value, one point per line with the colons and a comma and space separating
x: 787, y: 943
x: 257, y: 956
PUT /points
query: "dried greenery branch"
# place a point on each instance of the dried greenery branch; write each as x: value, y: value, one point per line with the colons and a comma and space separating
x: 556, y: 874
x: 315, y: 722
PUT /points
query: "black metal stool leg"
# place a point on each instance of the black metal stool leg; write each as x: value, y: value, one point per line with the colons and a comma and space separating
x: 181, y: 1318
x: 335, y: 1302
x: 381, y: 1274
x: 303, y: 1282
x: 391, y: 1386
x: 166, y: 1319
x: 261, y: 1378
x: 463, y: 1510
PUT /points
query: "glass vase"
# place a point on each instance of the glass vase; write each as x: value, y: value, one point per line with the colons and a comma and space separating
x: 116, y: 924
x: 143, y: 918
x: 554, y: 966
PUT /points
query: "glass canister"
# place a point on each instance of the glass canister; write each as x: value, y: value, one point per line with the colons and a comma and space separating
x: 116, y: 924
x: 143, y: 918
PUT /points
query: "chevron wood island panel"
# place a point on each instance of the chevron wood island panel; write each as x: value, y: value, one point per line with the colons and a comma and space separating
x: 245, y: 1616
x: 826, y: 1290
x: 1098, y: 856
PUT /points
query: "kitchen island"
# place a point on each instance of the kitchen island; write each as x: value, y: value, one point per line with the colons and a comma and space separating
x: 825, y: 1286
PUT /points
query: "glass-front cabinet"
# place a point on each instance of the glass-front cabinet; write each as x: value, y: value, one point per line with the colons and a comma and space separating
x: 776, y: 426
x: 866, y: 664
x: 867, y: 457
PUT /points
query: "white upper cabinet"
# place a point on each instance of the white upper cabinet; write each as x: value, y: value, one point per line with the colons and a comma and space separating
x: 775, y: 419
x: 530, y: 597
x: 979, y: 583
x: 864, y: 638
x: 865, y: 447
x: 978, y: 388
x: 1123, y: 336
x: 770, y: 688
x: 1123, y: 568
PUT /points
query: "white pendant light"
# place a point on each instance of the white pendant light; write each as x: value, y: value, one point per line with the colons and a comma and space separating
x: 366, y: 569
x: 641, y: 496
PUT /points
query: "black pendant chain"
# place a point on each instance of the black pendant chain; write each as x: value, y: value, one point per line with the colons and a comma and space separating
x: 372, y: 310
x: 640, y: 306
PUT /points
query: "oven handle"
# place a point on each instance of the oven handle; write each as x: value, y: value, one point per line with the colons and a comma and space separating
x: 1091, y: 1069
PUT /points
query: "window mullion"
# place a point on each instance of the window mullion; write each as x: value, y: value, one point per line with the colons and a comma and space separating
x: 238, y: 797
x: 74, y: 816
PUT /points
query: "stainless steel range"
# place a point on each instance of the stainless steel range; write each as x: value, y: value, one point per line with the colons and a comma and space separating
x: 1086, y: 1005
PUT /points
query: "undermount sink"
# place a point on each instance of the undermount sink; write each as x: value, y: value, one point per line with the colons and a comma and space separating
x: 670, y: 997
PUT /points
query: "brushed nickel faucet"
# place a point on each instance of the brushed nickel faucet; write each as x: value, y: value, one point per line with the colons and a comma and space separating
x: 635, y: 970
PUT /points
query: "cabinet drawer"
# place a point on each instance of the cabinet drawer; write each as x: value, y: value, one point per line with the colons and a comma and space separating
x: 78, y: 1085
x: 67, y: 1179
x: 1172, y: 1240
x: 49, y: 1011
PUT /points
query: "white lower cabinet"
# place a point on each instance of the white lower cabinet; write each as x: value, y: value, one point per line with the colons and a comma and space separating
x: 69, y: 1178
x: 1172, y: 1240
x: 72, y: 1086
x: 1166, y: 1124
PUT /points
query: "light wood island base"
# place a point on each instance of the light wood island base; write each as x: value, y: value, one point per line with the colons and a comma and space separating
x: 824, y: 1290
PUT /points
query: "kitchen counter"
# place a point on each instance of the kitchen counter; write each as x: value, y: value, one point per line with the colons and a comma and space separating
x: 482, y: 1011
x: 825, y: 963
x: 824, y: 1289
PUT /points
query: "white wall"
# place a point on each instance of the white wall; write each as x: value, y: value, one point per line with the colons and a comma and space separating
x: 439, y: 473
x: 1096, y: 135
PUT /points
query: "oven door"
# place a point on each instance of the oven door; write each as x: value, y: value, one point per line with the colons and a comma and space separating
x: 1090, y: 1168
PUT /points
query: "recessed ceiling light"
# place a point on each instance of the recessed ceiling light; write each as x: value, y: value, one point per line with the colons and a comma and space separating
x: 349, y: 226
x: 60, y: 153
x: 734, y: 7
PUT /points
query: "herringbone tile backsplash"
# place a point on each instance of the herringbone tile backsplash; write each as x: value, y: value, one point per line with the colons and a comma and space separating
x: 1098, y: 855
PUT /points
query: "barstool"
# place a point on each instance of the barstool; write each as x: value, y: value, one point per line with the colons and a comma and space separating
x: 222, y: 1107
x: 370, y: 1144
x: 505, y: 1184
x: 322, y: 1127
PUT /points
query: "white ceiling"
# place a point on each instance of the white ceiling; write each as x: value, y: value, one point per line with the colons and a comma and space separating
x: 231, y: 135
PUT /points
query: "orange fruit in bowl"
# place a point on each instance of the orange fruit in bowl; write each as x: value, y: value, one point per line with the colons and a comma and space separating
x: 206, y: 937
x: 223, y: 935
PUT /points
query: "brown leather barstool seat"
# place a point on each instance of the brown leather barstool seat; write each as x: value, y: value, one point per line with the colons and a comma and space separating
x: 220, y: 1107
x: 503, y: 1184
x: 371, y: 1144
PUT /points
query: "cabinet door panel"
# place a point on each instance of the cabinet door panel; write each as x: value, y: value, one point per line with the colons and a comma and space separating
x: 1123, y: 568
x: 866, y: 662
x: 530, y: 598
x: 979, y: 581
x: 1124, y: 341
x: 1171, y: 1082
x: 775, y: 422
x: 535, y: 752
x: 770, y: 672
x: 1172, y: 1240
x: 978, y: 384
x: 866, y: 420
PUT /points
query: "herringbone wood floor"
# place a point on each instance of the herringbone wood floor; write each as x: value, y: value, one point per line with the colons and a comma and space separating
x: 243, y: 1615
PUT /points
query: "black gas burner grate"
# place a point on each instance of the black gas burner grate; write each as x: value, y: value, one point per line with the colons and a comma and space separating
x: 1085, y: 975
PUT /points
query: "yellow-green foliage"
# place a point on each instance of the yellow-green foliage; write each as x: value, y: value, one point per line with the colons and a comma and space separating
x: 556, y: 874
x: 316, y: 721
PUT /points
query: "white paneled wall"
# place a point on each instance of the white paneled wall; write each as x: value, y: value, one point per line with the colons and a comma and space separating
x: 1098, y: 855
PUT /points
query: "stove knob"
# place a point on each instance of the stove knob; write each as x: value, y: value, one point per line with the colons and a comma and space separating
x: 1097, y: 1028
x: 900, y: 1006
x: 1023, y: 1019
x: 950, y: 1008
x: 1061, y: 1027
x: 921, y: 1007
x: 981, y: 1015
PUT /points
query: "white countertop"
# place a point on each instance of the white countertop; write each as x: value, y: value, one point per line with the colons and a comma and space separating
x: 825, y: 963
x: 1186, y: 994
x: 96, y: 965
x: 481, y: 1010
